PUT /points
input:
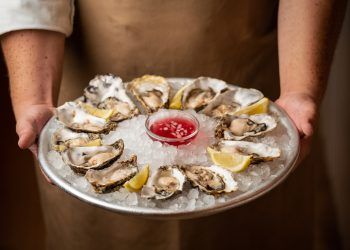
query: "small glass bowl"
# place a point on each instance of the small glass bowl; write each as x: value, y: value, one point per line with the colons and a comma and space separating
x: 172, y: 114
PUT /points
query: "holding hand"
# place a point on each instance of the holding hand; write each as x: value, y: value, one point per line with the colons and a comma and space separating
x: 30, y: 120
x: 302, y: 109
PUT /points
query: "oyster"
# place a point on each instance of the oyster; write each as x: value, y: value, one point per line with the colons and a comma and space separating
x: 212, y: 180
x: 111, y: 178
x: 245, y: 97
x: 81, y: 159
x: 164, y: 183
x: 65, y: 138
x: 201, y: 92
x: 231, y: 101
x: 151, y: 91
x: 258, y: 151
x: 108, y: 92
x: 73, y: 116
x: 233, y: 127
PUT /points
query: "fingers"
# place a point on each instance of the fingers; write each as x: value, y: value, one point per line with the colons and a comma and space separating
x: 30, y: 123
x: 307, y: 129
x: 27, y: 134
x: 34, y: 149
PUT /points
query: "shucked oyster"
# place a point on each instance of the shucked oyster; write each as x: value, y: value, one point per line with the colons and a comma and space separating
x: 151, y: 91
x: 239, y: 127
x: 212, y: 180
x: 73, y: 116
x: 201, y: 92
x: 231, y: 101
x: 258, y: 151
x: 164, y: 183
x: 64, y: 138
x: 81, y: 159
x: 108, y: 92
x: 111, y: 178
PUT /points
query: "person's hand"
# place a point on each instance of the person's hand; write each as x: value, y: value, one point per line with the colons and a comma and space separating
x: 302, y: 109
x: 30, y: 120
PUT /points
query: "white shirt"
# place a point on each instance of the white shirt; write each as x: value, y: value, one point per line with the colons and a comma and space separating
x: 55, y: 15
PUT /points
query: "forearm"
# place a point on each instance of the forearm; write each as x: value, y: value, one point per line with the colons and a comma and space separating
x: 34, y: 60
x: 307, y: 34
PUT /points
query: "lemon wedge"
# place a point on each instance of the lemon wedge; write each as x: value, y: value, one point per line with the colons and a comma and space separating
x: 175, y: 103
x: 137, y: 182
x: 256, y: 108
x: 102, y: 113
x: 233, y: 162
x: 92, y: 143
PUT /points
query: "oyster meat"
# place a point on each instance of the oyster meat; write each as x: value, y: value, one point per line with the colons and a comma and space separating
x: 81, y: 159
x: 201, y: 92
x: 65, y: 138
x: 73, y: 116
x: 233, y: 127
x: 152, y: 92
x: 111, y: 178
x: 258, y: 151
x: 109, y: 92
x: 164, y: 183
x: 212, y: 180
x: 231, y: 101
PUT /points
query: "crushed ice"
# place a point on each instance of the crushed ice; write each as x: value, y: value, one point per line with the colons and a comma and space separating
x: 156, y: 154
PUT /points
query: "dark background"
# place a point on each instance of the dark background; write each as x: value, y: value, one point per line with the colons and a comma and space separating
x: 21, y: 222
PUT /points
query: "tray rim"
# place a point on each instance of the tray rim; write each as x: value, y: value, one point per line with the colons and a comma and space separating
x: 158, y: 213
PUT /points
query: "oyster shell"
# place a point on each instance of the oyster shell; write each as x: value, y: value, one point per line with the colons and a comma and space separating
x: 245, y: 97
x: 164, y: 183
x: 81, y: 159
x: 201, y: 92
x: 212, y: 180
x: 233, y: 127
x: 73, y: 116
x: 109, y: 92
x: 152, y: 92
x: 111, y: 178
x: 65, y: 138
x: 229, y: 102
x: 258, y: 151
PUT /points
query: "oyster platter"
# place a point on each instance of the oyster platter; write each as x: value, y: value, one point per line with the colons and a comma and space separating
x: 168, y: 147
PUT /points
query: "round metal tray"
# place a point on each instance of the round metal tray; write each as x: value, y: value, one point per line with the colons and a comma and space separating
x: 159, y: 213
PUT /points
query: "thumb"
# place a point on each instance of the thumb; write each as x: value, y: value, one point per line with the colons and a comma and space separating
x: 27, y: 132
x: 307, y: 129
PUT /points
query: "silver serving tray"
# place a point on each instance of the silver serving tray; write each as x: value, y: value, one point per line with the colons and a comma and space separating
x: 159, y: 213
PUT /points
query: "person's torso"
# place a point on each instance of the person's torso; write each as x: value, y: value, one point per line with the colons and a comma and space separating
x: 231, y: 40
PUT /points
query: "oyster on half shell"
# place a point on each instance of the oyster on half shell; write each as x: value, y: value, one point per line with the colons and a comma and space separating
x: 73, y: 116
x: 109, y: 92
x: 212, y: 180
x: 111, y: 178
x: 164, y: 183
x: 81, y: 159
x: 259, y: 151
x: 64, y: 138
x: 229, y: 102
x: 152, y: 92
x: 233, y: 127
x: 201, y: 92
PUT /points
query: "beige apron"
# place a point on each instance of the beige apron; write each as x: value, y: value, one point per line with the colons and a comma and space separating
x: 230, y: 40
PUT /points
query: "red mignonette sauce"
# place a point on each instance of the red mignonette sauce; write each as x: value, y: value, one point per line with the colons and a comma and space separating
x: 177, y: 130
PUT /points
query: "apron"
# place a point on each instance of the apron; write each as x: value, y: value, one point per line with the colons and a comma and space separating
x: 230, y: 40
